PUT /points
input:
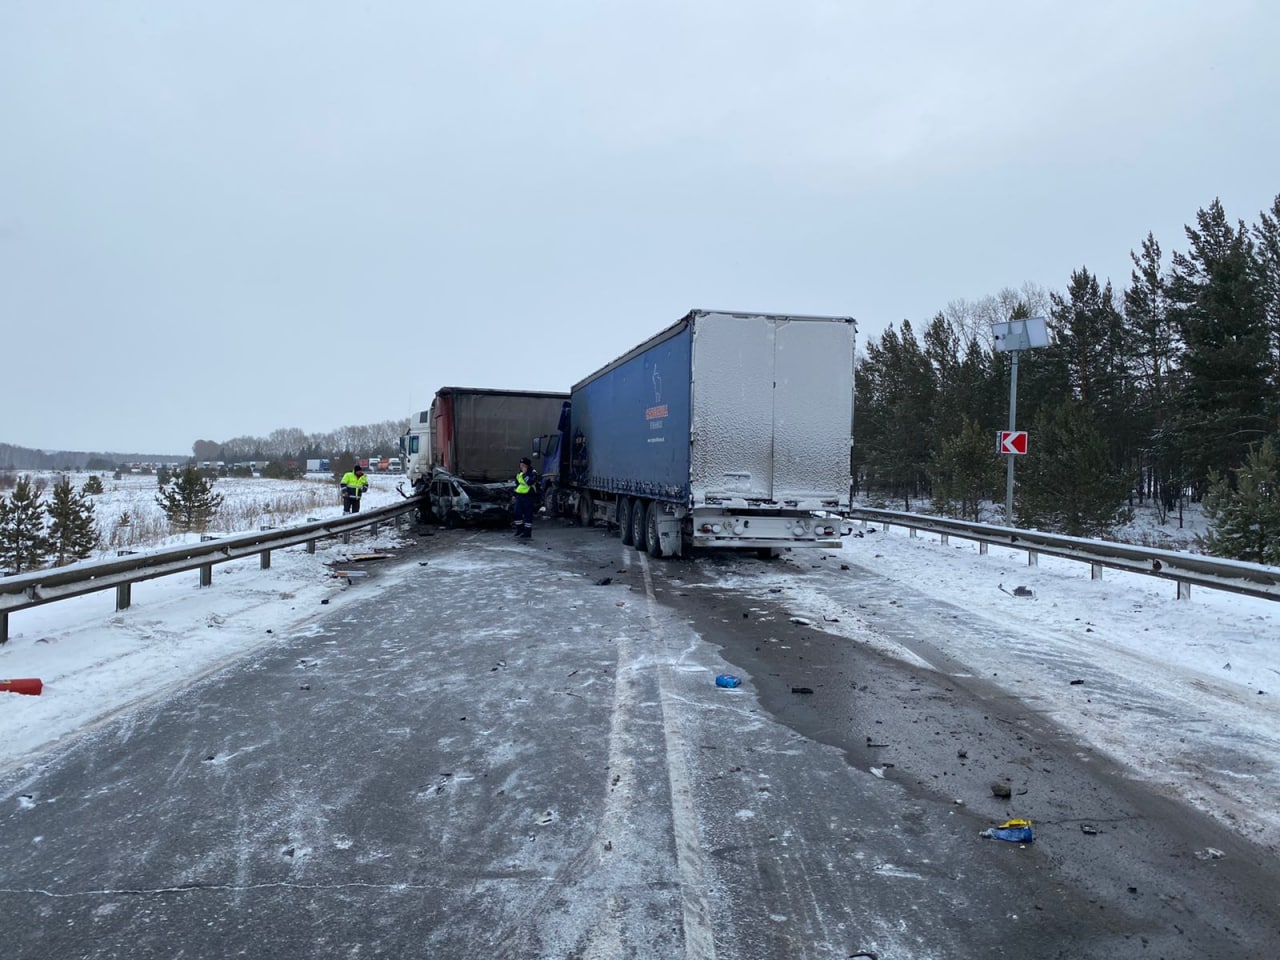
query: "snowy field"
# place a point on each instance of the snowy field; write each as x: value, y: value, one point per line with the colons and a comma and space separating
x: 1184, y: 693
x: 95, y: 663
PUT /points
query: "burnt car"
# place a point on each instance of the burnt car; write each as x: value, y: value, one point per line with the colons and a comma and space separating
x: 455, y: 502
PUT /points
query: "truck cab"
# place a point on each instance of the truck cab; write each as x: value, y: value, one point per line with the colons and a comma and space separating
x: 415, y: 450
x: 551, y: 470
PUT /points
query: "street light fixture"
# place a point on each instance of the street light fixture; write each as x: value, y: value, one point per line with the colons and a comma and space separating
x: 1011, y: 338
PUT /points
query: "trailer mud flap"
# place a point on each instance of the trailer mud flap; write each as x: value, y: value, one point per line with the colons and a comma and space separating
x: 669, y: 539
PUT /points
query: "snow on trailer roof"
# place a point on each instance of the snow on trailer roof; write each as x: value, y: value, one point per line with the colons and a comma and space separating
x: 669, y: 332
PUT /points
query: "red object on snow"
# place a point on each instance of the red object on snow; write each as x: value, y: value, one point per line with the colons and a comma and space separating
x: 28, y: 685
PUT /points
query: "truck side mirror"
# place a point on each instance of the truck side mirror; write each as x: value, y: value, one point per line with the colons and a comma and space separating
x: 537, y: 446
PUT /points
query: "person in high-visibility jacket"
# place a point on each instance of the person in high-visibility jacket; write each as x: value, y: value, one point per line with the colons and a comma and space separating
x: 526, y: 491
x: 353, y: 486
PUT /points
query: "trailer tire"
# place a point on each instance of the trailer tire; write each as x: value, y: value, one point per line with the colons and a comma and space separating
x: 549, y: 500
x: 585, y: 510
x: 624, y: 521
x: 639, y: 524
x: 652, y: 540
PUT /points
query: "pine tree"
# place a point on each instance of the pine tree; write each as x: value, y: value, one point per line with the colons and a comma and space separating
x: 1153, y: 349
x: 1093, y: 348
x: 1067, y: 481
x: 1267, y: 236
x: 93, y: 485
x: 73, y: 535
x: 1244, y: 518
x: 24, y: 544
x: 965, y: 470
x: 189, y: 501
x: 896, y: 387
x: 1218, y: 299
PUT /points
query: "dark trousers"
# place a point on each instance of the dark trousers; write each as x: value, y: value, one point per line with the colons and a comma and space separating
x: 524, y: 515
x: 350, y: 502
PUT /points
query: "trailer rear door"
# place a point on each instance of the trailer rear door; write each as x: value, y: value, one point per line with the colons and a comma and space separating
x: 812, y: 410
x: 772, y: 407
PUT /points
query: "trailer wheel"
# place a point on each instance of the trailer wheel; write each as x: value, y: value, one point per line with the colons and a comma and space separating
x: 653, y: 541
x: 549, y: 500
x: 585, y: 510
x: 624, y: 521
x: 639, y: 527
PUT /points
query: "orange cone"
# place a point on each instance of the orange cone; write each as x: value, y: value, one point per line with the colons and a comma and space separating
x: 28, y: 685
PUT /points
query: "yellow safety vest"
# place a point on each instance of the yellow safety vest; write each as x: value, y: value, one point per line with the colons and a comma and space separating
x: 522, y: 483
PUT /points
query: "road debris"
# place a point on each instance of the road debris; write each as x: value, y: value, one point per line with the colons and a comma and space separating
x: 728, y: 680
x: 1021, y: 592
x: 31, y: 686
x: 1014, y: 831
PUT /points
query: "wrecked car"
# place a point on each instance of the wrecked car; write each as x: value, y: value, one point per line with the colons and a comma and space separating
x: 455, y: 502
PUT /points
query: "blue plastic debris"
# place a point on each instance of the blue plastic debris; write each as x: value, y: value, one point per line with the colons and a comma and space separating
x: 1015, y: 831
x: 728, y: 680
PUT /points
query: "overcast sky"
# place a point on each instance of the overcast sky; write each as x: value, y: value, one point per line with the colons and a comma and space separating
x: 217, y: 219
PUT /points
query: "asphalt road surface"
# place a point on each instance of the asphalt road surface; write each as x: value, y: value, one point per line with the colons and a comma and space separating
x: 519, y: 751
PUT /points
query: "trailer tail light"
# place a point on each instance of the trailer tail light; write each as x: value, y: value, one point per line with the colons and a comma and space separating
x: 710, y: 528
x: 825, y: 531
x: 705, y: 528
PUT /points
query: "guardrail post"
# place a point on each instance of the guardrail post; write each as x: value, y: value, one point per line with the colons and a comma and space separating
x: 311, y: 546
x: 399, y: 522
x: 982, y: 548
x: 912, y: 533
x: 1033, y: 558
x: 206, y: 575
x: 124, y: 596
x: 1184, y: 590
x: 946, y: 538
x: 1095, y: 571
x: 346, y: 536
x: 264, y: 560
x: 373, y: 529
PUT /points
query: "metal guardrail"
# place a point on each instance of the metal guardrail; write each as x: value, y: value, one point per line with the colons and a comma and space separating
x: 1185, y: 569
x: 26, y: 590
